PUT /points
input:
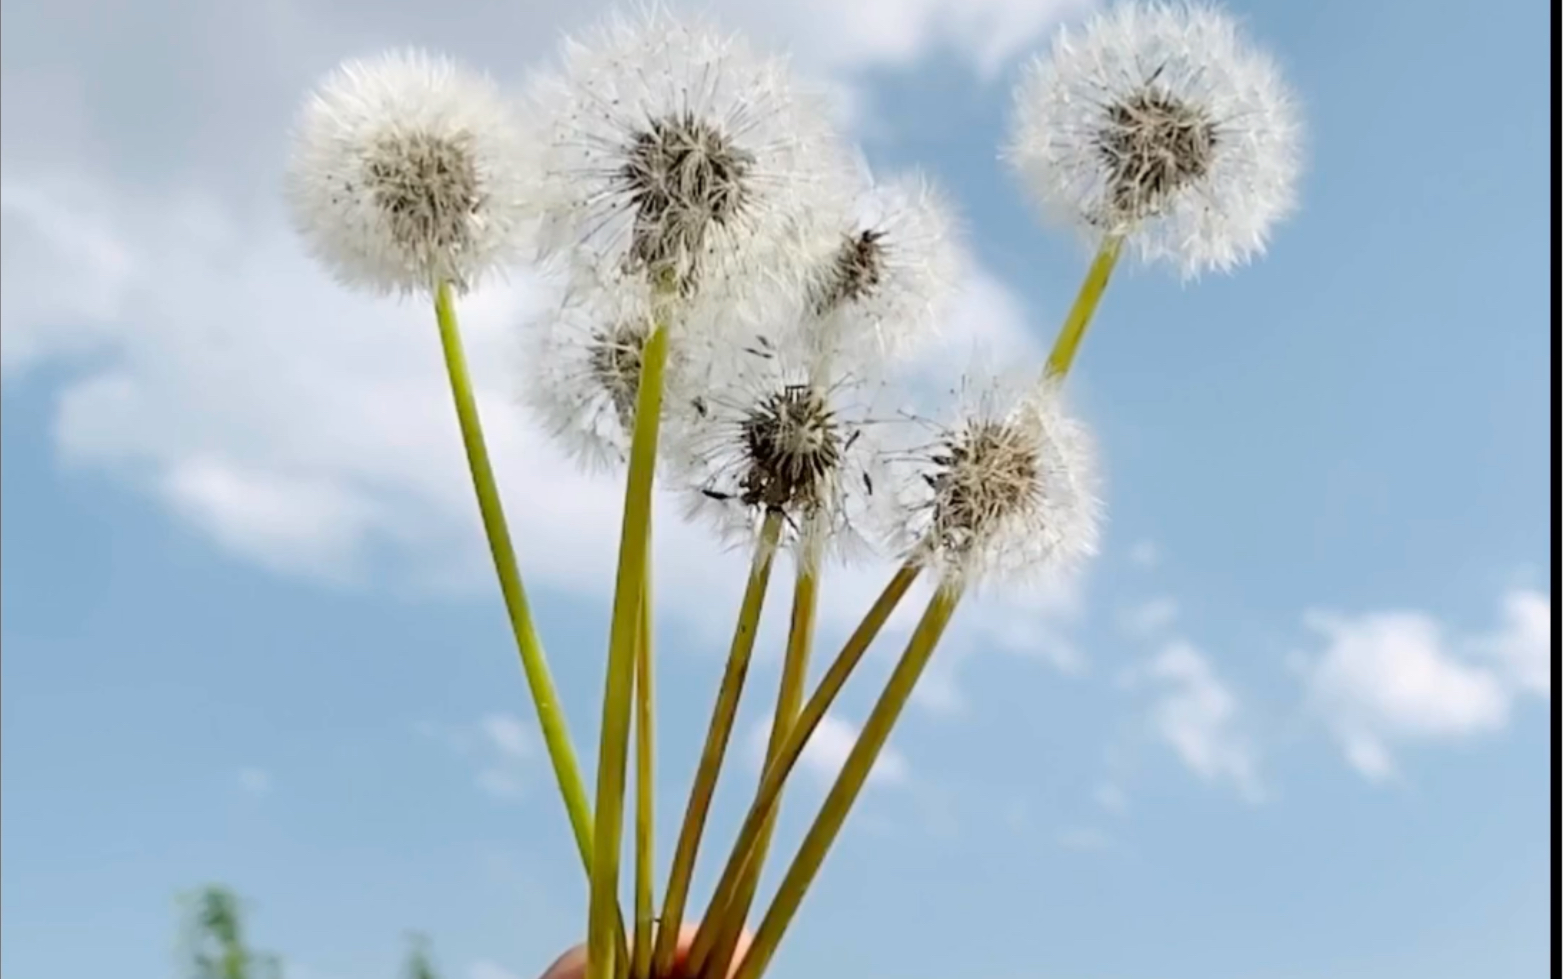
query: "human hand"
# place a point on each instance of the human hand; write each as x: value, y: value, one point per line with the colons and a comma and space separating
x: 573, y: 964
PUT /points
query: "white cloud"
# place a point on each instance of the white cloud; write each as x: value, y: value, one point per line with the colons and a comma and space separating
x: 254, y: 781
x: 1198, y: 716
x: 828, y: 749
x: 1521, y: 645
x: 1150, y: 618
x: 1387, y: 678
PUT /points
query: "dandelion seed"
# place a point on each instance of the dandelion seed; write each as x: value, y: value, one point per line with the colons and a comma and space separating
x: 1159, y: 123
x: 1009, y: 488
x: 406, y: 171
x: 674, y: 152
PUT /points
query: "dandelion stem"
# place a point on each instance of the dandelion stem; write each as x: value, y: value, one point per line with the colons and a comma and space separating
x: 717, y: 735
x: 641, y: 946
x: 799, y: 733
x: 1080, y: 315
x: 551, y: 718
x: 630, y: 593
x: 855, y: 771
x: 790, y: 695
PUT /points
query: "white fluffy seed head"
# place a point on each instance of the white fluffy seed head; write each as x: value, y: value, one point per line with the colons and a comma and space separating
x: 1006, y: 490
x: 1159, y: 122
x: 672, y: 151
x: 407, y: 170
x: 881, y: 277
x: 773, y: 426
x: 583, y: 359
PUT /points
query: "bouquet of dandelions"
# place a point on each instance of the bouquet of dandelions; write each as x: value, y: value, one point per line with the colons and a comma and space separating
x: 740, y: 291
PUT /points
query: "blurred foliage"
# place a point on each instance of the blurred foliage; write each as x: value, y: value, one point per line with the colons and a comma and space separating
x: 212, y: 942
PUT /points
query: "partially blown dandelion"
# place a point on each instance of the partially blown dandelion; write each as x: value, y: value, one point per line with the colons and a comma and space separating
x: 407, y: 171
x: 779, y: 427
x: 670, y: 150
x: 584, y: 358
x: 881, y: 277
x: 1009, y: 488
x: 1159, y: 124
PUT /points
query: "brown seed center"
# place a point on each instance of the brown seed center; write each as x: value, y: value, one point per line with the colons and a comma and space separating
x: 1153, y: 144
x: 792, y: 445
x: 683, y: 176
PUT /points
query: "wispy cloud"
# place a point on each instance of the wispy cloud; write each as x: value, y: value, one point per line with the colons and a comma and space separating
x: 1145, y: 554
x: 1198, y: 715
x: 1149, y: 618
x: 1111, y: 798
x: 498, y: 745
x: 254, y: 781
x: 828, y: 750
x: 1389, y: 678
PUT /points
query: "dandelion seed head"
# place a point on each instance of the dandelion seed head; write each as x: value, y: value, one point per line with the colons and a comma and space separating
x: 673, y: 151
x: 1159, y: 122
x: 776, y: 429
x: 880, y: 278
x: 405, y: 171
x: 1008, y: 489
x: 583, y: 360
x: 792, y: 446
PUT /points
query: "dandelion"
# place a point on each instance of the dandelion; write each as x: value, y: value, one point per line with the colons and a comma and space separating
x: 880, y: 277
x: 407, y: 177
x: 406, y: 172
x: 672, y: 151
x: 1008, y: 489
x: 1160, y: 125
x: 584, y: 358
x: 780, y: 428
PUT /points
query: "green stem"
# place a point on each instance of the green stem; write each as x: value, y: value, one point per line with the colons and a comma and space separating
x: 790, y: 695
x: 855, y: 771
x: 814, y: 712
x: 551, y: 719
x: 723, y: 712
x: 641, y: 947
x: 629, y: 592
x: 1080, y: 315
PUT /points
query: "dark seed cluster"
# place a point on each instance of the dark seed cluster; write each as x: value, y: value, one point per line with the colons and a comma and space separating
x: 792, y: 445
x: 615, y: 362
x: 984, y: 473
x: 428, y: 187
x: 855, y: 272
x: 1153, y: 145
x: 683, y: 176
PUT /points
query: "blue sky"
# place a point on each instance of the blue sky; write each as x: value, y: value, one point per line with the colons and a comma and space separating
x: 1292, y: 723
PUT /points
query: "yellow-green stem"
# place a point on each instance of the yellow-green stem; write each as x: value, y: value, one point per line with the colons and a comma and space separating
x: 855, y: 771
x: 556, y: 735
x: 712, y: 752
x: 790, y: 695
x: 629, y: 592
x: 1086, y: 304
x: 772, y: 782
x: 641, y: 946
